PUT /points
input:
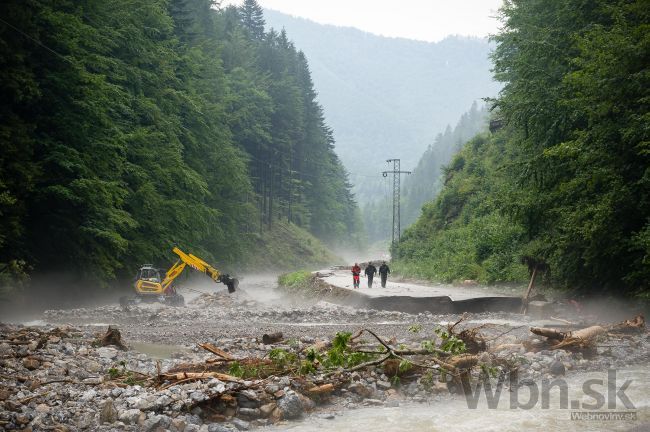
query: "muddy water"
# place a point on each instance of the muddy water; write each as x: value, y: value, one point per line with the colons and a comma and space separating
x: 157, y: 351
x: 453, y: 414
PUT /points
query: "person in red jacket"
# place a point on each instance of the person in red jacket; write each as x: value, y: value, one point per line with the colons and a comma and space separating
x: 356, y: 271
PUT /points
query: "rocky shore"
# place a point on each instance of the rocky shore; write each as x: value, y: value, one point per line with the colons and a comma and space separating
x: 53, y: 376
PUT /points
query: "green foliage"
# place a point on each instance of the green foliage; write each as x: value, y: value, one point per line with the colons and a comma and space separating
x: 294, y: 278
x: 415, y: 328
x: 404, y: 366
x: 129, y: 127
x: 450, y: 343
x: 340, y: 355
x: 282, y: 358
x: 428, y: 345
x: 427, y: 380
x: 565, y: 181
x: 236, y: 369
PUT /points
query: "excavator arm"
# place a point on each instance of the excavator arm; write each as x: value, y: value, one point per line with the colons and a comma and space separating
x: 197, y: 264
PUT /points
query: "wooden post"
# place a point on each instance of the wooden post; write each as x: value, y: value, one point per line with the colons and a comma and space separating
x: 524, y: 306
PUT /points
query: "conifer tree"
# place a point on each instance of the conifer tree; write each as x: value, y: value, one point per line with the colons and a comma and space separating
x: 252, y: 18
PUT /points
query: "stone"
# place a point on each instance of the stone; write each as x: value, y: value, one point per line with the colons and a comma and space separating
x: 241, y: 424
x: 4, y: 394
x: 92, y: 366
x: 383, y: 385
x: 220, y: 427
x: 151, y: 423
x: 43, y: 408
x: 557, y: 368
x: 107, y: 352
x: 108, y: 412
x: 178, y: 424
x: 131, y: 417
x: 193, y: 419
x: 290, y: 406
x: 13, y: 405
x: 373, y: 402
x: 5, y: 349
x: 307, y: 404
x: 267, y: 409
x: 21, y: 419
x: 31, y: 363
x: 251, y: 413
x: 361, y: 389
x: 88, y: 395
x: 198, y: 396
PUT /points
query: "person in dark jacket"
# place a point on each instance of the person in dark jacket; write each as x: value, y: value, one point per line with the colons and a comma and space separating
x: 370, y: 271
x: 383, y: 273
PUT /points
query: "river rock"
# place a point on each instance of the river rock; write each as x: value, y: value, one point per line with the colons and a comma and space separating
x: 43, y: 408
x: 219, y: 427
x: 290, y: 406
x: 131, y: 416
x: 108, y: 413
x: 557, y: 368
x: 361, y: 389
x: 383, y: 385
x: 31, y: 363
x: 5, y: 349
x: 267, y: 409
x: 241, y: 424
x: 251, y: 413
x: 107, y: 352
x: 88, y: 395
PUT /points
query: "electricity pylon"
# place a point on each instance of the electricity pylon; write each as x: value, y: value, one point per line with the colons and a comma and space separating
x: 396, y: 197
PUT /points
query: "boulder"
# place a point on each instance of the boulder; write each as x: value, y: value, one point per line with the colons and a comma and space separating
x: 290, y: 406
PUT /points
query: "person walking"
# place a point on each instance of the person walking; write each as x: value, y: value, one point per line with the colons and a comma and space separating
x: 370, y: 272
x: 383, y: 273
x: 356, y: 271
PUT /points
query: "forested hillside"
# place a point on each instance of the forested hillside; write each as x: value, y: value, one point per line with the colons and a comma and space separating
x: 425, y: 181
x: 388, y: 97
x: 565, y: 184
x: 128, y: 127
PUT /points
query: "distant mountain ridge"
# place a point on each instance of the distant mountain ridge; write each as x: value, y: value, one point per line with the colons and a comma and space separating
x: 387, y: 97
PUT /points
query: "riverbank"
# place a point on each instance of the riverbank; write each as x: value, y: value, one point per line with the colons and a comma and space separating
x: 66, y: 381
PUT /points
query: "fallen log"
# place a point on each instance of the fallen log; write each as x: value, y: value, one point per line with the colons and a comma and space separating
x: 325, y: 388
x: 636, y: 324
x: 186, y: 376
x: 548, y: 333
x: 217, y: 351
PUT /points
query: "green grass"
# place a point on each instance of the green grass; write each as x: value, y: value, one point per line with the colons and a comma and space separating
x: 288, y: 247
x: 294, y: 279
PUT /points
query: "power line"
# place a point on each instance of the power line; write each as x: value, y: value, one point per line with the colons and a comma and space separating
x: 37, y: 42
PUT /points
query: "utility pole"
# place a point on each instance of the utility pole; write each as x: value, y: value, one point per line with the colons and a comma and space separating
x: 396, y: 198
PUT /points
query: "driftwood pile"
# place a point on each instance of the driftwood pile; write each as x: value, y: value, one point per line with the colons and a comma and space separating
x: 585, y: 339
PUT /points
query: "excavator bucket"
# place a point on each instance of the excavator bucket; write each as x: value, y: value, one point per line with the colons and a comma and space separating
x: 232, y: 285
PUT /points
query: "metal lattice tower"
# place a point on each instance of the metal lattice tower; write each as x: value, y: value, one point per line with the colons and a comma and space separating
x: 396, y: 196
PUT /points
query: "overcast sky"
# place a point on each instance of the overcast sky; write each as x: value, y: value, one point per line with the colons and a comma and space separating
x: 428, y: 20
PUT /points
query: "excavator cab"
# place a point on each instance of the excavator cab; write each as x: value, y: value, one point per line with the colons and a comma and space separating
x: 148, y: 273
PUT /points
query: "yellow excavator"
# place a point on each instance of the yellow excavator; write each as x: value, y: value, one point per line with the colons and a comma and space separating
x: 150, y: 287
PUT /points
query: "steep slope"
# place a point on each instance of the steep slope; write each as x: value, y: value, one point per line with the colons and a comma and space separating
x: 387, y: 97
